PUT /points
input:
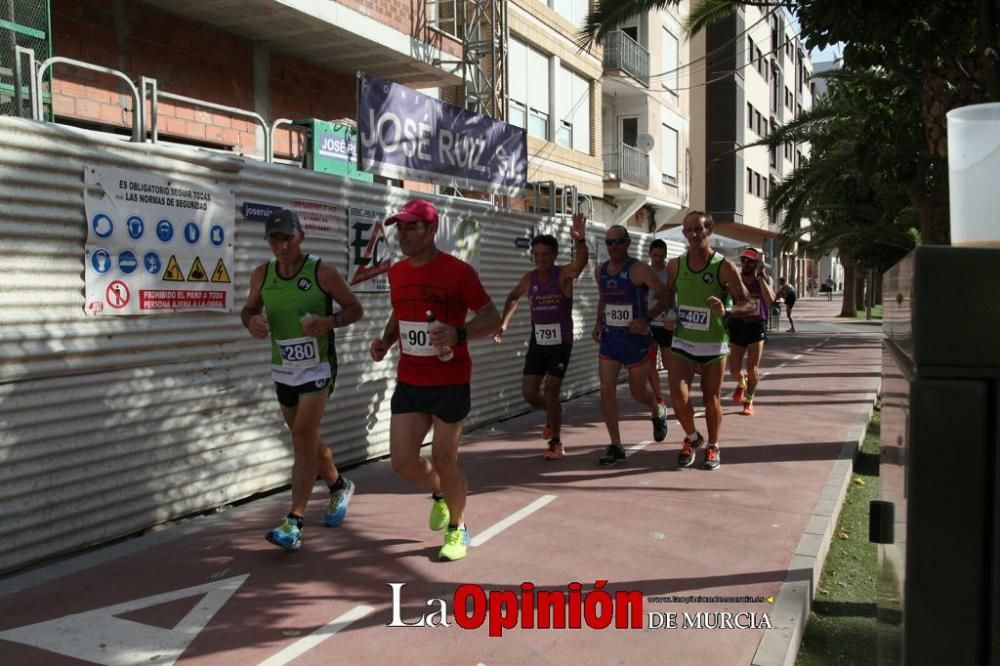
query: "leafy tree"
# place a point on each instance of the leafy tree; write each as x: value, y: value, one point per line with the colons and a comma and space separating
x: 943, y: 53
x: 852, y: 186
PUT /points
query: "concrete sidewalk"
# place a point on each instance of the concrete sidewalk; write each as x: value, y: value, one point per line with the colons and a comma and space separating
x: 212, y: 591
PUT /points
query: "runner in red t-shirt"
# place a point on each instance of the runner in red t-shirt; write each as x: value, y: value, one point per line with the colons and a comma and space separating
x: 431, y: 391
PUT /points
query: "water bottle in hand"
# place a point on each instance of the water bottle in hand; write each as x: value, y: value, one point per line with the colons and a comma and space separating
x: 444, y: 353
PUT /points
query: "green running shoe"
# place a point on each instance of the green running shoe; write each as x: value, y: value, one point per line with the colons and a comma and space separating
x: 456, y: 543
x: 439, y: 515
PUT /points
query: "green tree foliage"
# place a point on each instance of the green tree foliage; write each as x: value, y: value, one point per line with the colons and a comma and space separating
x: 931, y: 56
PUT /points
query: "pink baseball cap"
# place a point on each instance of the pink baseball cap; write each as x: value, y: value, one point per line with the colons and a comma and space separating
x: 418, y: 210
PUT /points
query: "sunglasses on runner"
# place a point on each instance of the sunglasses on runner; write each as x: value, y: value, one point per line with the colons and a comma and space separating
x: 615, y: 241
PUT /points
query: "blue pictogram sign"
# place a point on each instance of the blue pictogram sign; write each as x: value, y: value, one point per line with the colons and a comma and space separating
x: 100, y: 259
x: 192, y: 233
x: 165, y: 231
x: 135, y: 227
x: 127, y: 263
x: 151, y: 261
x: 217, y: 235
x: 102, y: 225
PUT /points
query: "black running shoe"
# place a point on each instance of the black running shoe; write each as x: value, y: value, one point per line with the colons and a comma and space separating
x: 614, y: 454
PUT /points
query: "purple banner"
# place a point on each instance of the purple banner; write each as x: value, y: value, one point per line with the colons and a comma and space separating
x: 404, y: 134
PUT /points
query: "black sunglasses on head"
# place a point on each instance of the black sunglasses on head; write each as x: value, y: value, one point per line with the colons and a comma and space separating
x: 615, y: 241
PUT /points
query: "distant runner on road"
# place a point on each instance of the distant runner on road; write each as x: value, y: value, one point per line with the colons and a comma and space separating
x: 749, y: 332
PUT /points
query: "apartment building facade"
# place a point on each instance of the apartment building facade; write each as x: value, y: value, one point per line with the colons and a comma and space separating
x: 646, y: 121
x: 751, y: 75
x: 610, y: 122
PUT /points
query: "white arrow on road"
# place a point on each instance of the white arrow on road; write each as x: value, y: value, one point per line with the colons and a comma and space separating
x: 100, y: 637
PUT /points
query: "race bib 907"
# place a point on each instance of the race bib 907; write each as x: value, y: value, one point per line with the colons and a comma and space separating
x: 414, y: 339
x: 299, y: 352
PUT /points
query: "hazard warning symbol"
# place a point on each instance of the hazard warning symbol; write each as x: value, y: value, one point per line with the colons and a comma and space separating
x: 173, y: 271
x: 197, y: 272
x: 220, y: 274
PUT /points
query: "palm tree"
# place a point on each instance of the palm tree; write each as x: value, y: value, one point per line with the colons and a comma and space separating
x: 850, y: 187
x: 944, y: 51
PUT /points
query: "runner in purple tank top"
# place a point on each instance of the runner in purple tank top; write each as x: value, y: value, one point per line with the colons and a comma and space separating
x: 747, y: 334
x: 550, y: 296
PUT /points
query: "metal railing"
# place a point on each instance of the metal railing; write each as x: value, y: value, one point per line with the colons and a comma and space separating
x: 147, y: 91
x: 627, y: 164
x: 621, y: 52
x: 156, y: 94
x: 38, y: 110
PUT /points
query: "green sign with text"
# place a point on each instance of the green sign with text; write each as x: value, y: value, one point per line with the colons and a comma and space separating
x: 334, y: 149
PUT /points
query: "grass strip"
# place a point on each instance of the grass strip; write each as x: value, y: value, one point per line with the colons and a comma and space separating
x: 842, y: 627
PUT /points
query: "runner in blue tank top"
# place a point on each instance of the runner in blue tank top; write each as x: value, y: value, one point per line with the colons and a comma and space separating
x: 622, y: 331
x: 550, y: 296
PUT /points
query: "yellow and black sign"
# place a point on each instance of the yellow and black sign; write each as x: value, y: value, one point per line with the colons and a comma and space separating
x: 197, y: 272
x: 173, y: 271
x: 220, y: 274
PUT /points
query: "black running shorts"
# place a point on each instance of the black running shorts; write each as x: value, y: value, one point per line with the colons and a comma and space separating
x: 663, y: 337
x: 744, y: 333
x: 547, y: 360
x: 449, y: 403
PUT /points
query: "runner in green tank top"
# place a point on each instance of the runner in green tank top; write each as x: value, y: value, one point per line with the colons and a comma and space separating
x: 699, y: 281
x: 297, y: 292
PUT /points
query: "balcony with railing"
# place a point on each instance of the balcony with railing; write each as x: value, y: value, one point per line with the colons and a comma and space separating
x: 622, y: 53
x: 627, y: 164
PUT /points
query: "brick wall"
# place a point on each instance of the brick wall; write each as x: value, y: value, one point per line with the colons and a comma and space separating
x: 408, y: 17
x: 191, y: 59
x: 186, y: 58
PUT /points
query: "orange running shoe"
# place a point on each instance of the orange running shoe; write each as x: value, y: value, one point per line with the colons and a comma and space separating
x: 547, y: 432
x: 747, y: 409
x: 738, y: 394
x: 686, y: 457
x: 712, y: 458
x: 555, y: 452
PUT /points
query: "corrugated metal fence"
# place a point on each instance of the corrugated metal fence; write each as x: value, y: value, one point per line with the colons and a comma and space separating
x: 109, y: 425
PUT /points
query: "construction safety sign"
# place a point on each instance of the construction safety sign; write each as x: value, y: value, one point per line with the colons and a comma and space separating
x: 149, y: 239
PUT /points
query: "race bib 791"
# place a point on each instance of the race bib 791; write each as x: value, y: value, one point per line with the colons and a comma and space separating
x: 548, y: 334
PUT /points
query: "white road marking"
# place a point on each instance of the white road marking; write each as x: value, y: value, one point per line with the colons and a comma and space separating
x: 639, y: 447
x: 100, y: 637
x: 499, y: 527
x: 303, y: 645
